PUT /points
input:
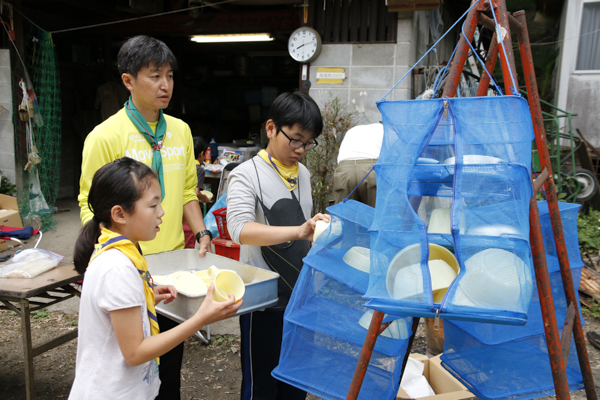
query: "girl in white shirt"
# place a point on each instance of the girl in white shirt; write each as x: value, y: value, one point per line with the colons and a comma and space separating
x: 119, y: 343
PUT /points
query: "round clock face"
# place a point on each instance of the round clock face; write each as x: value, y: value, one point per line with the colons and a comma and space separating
x: 304, y: 45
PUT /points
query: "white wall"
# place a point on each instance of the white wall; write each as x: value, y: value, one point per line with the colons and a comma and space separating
x: 577, y: 91
x: 7, y: 140
x: 373, y: 69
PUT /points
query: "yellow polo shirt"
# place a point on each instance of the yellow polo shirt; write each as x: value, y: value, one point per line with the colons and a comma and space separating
x: 117, y: 137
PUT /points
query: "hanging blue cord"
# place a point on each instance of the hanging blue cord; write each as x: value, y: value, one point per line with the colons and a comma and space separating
x: 436, y: 85
x: 428, y: 51
x: 440, y: 77
x: 363, y: 179
x: 481, y: 62
x: 514, y: 87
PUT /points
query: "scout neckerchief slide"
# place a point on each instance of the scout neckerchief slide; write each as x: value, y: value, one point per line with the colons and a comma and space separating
x: 289, y: 175
x: 155, y: 140
x: 111, y: 240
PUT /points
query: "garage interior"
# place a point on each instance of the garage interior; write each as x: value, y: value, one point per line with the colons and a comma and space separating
x: 222, y: 90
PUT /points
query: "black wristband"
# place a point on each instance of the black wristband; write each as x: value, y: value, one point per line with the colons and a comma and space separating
x: 202, y: 233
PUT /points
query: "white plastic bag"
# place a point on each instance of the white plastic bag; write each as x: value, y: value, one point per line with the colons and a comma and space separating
x: 413, y: 382
x: 29, y: 264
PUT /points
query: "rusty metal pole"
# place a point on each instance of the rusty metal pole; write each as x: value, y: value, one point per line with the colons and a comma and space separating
x: 561, y: 248
x: 542, y: 279
x: 506, y: 51
x: 462, y: 52
x: 492, y: 57
x: 365, y: 355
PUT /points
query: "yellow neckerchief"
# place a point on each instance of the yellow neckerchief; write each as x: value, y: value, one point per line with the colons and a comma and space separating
x: 197, y: 162
x: 112, y: 240
x: 289, y: 175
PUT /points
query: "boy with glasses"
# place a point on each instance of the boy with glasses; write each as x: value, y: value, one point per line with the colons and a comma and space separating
x: 268, y: 212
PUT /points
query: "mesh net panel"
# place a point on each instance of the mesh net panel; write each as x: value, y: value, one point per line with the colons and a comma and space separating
x: 326, y: 321
x: 511, y: 362
x: 451, y: 227
x: 40, y: 184
x: 48, y: 136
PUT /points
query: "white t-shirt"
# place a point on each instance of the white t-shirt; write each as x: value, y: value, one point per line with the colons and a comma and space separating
x: 111, y: 283
x: 361, y: 142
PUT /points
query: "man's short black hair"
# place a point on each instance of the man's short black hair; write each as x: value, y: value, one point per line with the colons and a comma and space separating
x: 141, y: 51
x: 290, y: 108
x: 200, y: 145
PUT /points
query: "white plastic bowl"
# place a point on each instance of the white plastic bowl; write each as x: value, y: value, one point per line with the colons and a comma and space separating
x: 474, y: 159
x: 359, y: 258
x: 189, y: 284
x: 493, y: 230
x: 320, y: 227
x: 396, y: 329
x: 494, y: 278
x: 440, y: 221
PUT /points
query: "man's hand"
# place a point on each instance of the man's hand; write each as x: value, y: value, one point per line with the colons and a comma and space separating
x: 204, y: 246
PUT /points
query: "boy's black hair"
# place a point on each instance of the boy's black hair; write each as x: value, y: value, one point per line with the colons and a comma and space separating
x: 290, y: 108
x: 119, y: 183
x: 200, y: 145
x: 141, y: 51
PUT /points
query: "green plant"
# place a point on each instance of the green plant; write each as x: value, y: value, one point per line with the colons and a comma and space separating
x: 592, y: 311
x: 338, y: 117
x: 6, y: 187
x: 588, y: 227
x: 40, y: 315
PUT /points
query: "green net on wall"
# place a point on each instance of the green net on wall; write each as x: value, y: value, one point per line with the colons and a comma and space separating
x: 46, y: 82
x: 40, y: 182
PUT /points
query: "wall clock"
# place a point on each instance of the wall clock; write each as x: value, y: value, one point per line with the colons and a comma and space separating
x: 304, y: 44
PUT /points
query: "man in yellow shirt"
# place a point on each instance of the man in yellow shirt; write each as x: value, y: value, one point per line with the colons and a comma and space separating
x: 141, y: 131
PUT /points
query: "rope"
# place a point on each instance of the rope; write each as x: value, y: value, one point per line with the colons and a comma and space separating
x: 144, y: 17
x: 482, y: 63
x: 514, y: 88
x: 428, y: 51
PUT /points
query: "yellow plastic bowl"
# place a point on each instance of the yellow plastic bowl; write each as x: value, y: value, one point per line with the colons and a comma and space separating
x: 404, y: 278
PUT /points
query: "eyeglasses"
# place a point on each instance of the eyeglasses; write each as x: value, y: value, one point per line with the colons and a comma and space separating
x: 296, y: 144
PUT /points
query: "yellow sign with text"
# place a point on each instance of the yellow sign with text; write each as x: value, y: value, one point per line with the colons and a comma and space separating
x: 330, y: 76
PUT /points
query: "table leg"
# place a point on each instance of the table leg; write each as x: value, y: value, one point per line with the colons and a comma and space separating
x: 27, y: 347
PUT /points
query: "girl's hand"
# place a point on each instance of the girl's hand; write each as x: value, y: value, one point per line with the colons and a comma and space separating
x: 307, y: 229
x: 212, y: 311
x: 168, y: 293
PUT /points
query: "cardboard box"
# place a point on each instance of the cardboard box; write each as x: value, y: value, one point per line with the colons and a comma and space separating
x: 446, y: 386
x: 9, y: 216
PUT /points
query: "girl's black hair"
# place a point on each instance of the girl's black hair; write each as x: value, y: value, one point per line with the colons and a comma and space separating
x: 200, y: 145
x: 292, y: 108
x: 119, y: 183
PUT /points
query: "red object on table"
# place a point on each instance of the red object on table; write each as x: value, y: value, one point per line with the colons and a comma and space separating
x: 227, y: 248
x: 221, y: 218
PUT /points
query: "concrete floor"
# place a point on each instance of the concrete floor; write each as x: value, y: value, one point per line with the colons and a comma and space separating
x: 62, y: 239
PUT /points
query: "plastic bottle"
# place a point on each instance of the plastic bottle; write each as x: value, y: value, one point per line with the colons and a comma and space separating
x: 214, y: 148
x: 208, y: 158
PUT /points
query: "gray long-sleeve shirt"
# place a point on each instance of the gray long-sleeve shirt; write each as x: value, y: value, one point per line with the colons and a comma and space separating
x: 243, y: 206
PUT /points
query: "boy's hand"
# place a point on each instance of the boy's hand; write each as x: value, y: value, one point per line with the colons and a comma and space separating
x: 307, y: 229
x: 168, y: 293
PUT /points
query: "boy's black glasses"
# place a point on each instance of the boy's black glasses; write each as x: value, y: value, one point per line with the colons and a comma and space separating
x: 296, y: 144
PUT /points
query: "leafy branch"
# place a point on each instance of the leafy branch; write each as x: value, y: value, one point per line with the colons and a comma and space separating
x: 338, y: 117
